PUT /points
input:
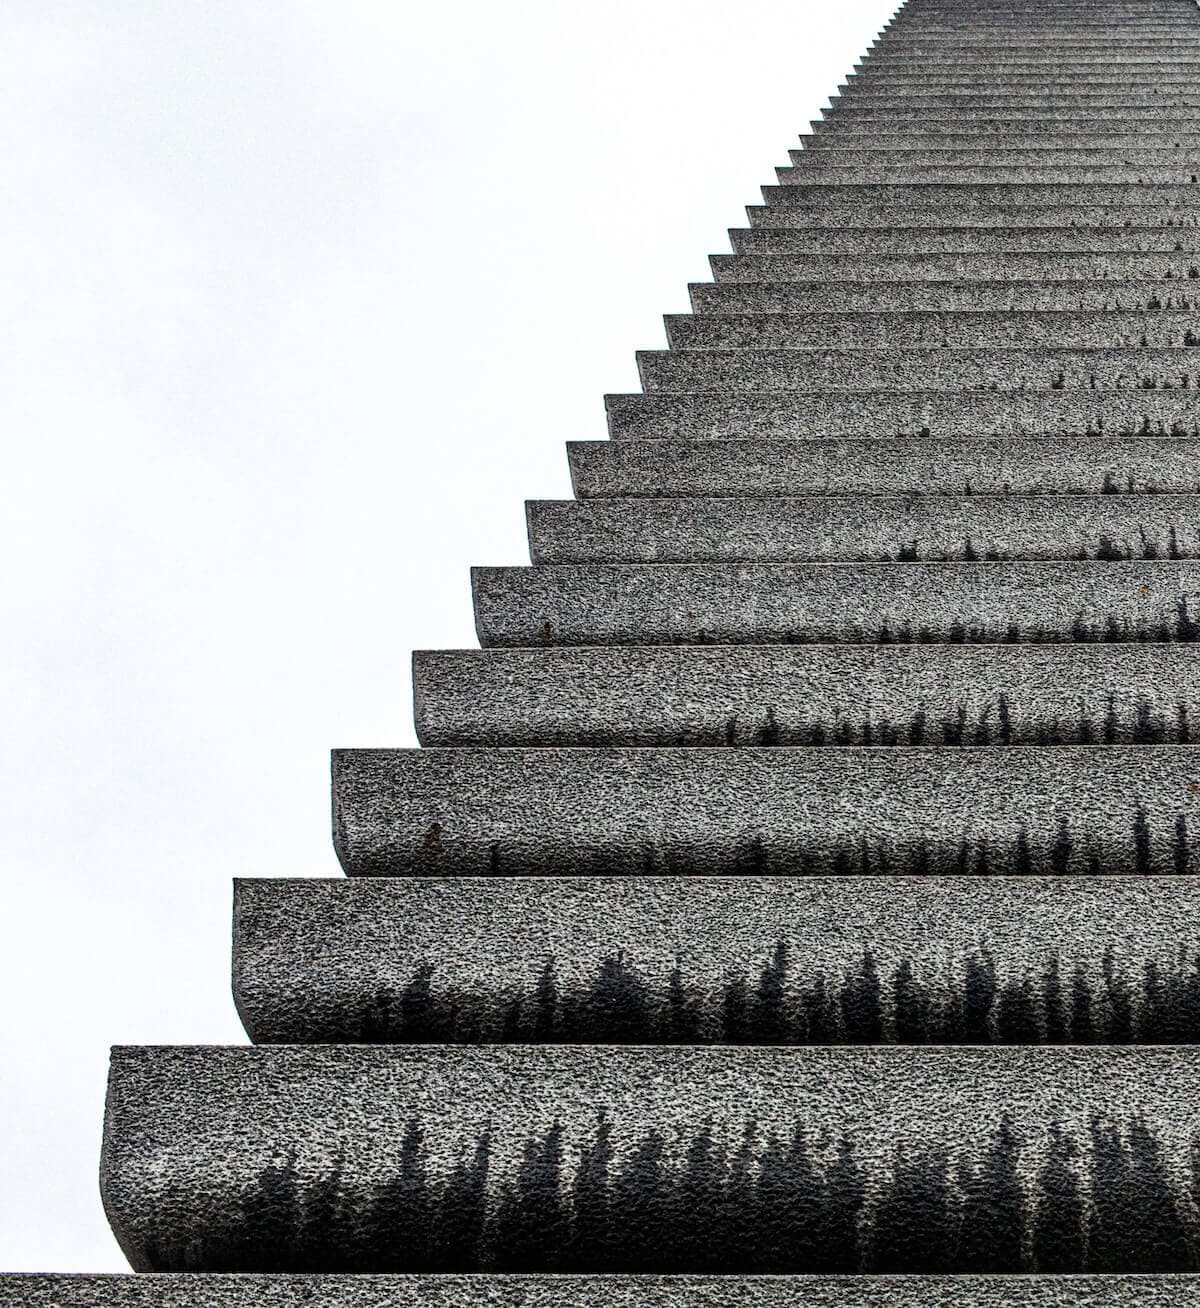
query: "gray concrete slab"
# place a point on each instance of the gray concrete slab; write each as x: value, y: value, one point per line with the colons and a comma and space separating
x: 979, y: 465
x: 796, y: 416
x: 719, y: 960
x: 917, y: 217
x: 1164, y: 197
x: 1093, y: 239
x: 1064, y: 155
x: 815, y: 695
x: 1004, y: 370
x: 831, y: 174
x: 881, y: 330
x: 760, y: 603
x: 874, y: 529
x: 371, y: 1158
x: 533, y: 1291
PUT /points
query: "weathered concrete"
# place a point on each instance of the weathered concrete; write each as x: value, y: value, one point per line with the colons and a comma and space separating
x: 815, y: 169
x: 349, y: 1158
x: 797, y: 416
x: 965, y: 240
x: 916, y: 217
x: 850, y: 529
x: 532, y: 1291
x: 772, y: 811
x: 808, y: 695
x: 1062, y: 156
x: 882, y: 465
x: 939, y: 369
x: 1027, y: 329
x: 860, y: 291
x: 1017, y: 266
x: 717, y: 960
x: 923, y: 194
x: 764, y: 603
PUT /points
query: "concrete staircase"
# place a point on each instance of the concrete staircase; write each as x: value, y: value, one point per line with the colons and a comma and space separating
x: 794, y: 901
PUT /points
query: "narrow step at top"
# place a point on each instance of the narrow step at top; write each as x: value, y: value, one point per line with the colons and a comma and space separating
x: 798, y: 603
x: 719, y: 960
x: 811, y: 695
x: 882, y: 465
x: 873, y: 529
x: 21, y: 1290
x: 640, y: 1159
x: 1083, y: 810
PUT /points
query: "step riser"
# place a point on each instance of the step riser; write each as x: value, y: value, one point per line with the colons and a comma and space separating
x: 649, y: 1159
x: 894, y: 331
x: 1129, y: 104
x: 873, y: 530
x: 1065, y: 155
x: 883, y: 466
x: 1164, y: 201
x: 962, y: 217
x: 964, y: 414
x: 920, y: 130
x: 1178, y: 266
x: 932, y: 294
x: 1076, y: 175
x: 704, y: 960
x: 968, y: 240
x: 723, y: 604
x: 877, y: 143
x: 808, y: 696
x: 929, y: 370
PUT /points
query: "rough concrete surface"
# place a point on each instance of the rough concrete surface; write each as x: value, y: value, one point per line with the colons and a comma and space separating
x: 543, y: 1158
x: 808, y: 695
x: 745, y: 960
x: 771, y: 811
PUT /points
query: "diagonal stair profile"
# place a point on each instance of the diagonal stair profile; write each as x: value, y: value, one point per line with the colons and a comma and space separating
x: 795, y: 900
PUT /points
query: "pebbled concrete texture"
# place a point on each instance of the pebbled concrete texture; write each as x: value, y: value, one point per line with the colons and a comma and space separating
x: 795, y: 415
x: 915, y: 217
x: 717, y: 960
x: 808, y: 695
x: 968, y: 240
x: 1063, y: 155
x: 869, y: 528
x: 1016, y: 266
x: 920, y: 369
x: 763, y: 603
x: 630, y: 1159
x: 531, y: 1291
x: 882, y: 465
x: 1159, y: 197
x: 1077, y: 174
x: 862, y: 295
x: 775, y: 811
x: 1011, y: 329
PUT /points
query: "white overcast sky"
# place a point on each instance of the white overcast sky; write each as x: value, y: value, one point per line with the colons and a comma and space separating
x: 300, y: 302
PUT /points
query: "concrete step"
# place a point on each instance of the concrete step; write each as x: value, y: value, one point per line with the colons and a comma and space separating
x: 708, y: 697
x: 802, y: 603
x: 1136, y: 55
x: 184, y: 1290
x: 870, y: 529
x: 939, y: 369
x: 18, y: 1290
x: 1169, y: 200
x: 1023, y: 100
x: 1064, y: 329
x: 796, y: 416
x: 975, y: 216
x: 1017, y: 266
x: 827, y: 132
x: 978, y: 73
x: 977, y: 465
x: 719, y: 960
x: 562, y: 1158
x: 965, y: 240
x: 1076, y: 175
x: 911, y: 138
x: 971, y: 118
x: 1065, y: 155
x: 840, y: 292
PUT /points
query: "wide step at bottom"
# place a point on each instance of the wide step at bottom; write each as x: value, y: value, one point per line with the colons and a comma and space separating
x: 567, y: 1158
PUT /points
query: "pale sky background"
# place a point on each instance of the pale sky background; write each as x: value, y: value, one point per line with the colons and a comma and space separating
x: 300, y: 303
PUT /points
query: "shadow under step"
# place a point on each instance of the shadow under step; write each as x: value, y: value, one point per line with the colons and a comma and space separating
x: 1091, y: 810
x: 716, y: 960
x: 814, y: 695
x: 565, y: 1158
x: 767, y: 603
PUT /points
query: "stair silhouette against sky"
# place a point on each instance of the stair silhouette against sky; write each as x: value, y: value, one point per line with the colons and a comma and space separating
x: 802, y: 877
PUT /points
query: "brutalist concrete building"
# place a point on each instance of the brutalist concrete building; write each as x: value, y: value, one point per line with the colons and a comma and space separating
x: 795, y: 898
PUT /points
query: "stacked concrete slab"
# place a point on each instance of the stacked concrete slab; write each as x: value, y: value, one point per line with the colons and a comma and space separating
x: 795, y: 899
